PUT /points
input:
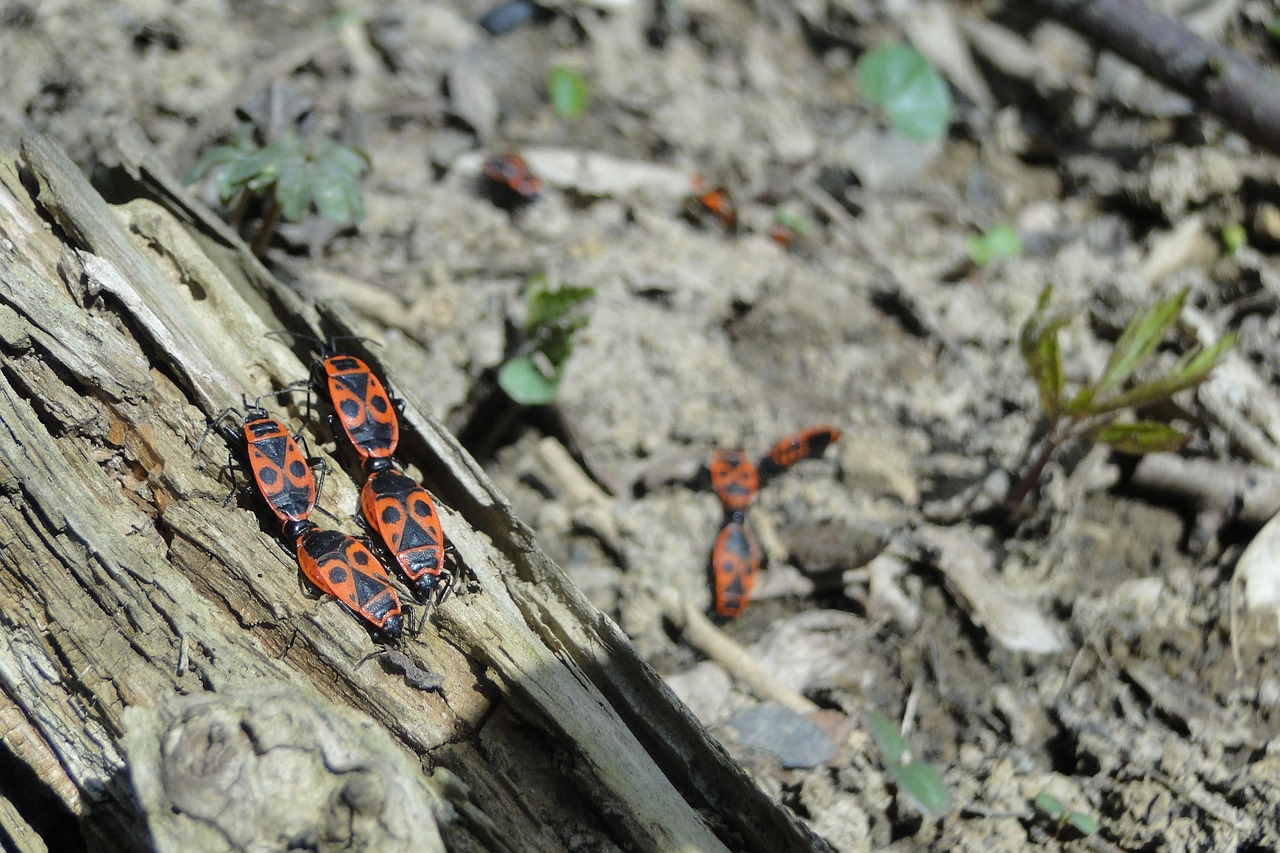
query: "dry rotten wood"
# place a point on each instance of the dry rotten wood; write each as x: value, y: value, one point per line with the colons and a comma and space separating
x: 126, y: 583
x: 213, y: 769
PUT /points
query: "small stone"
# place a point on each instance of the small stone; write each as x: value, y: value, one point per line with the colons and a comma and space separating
x: 781, y: 732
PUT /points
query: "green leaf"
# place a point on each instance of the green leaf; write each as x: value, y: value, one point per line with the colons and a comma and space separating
x: 892, y: 744
x: 343, y: 158
x: 1084, y: 824
x: 1049, y: 804
x: 919, y: 781
x: 225, y: 188
x: 797, y: 222
x: 336, y: 194
x: 1273, y: 29
x: 1044, y: 364
x: 555, y: 341
x: 220, y: 158
x: 320, y: 173
x: 1234, y: 238
x: 1192, y: 369
x: 1038, y: 340
x: 550, y: 323
x: 1000, y: 242
x: 215, y: 157
x: 1197, y: 364
x: 1140, y: 437
x: 524, y: 383
x: 263, y: 168
x: 923, y: 786
x: 556, y: 345
x: 567, y: 92
x: 908, y: 89
x: 256, y: 170
x: 546, y: 306
x: 293, y: 190
x: 1138, y: 341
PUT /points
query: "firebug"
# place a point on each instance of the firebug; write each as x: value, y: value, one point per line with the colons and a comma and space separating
x: 715, y: 204
x: 362, y: 406
x: 736, y: 559
x: 282, y: 475
x: 360, y: 401
x: 736, y: 556
x: 404, y: 516
x: 806, y: 444
x: 345, y: 568
x: 734, y: 479
x: 510, y: 179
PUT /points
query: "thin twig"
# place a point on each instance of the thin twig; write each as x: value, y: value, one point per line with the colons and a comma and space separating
x: 1244, y: 95
x: 700, y: 633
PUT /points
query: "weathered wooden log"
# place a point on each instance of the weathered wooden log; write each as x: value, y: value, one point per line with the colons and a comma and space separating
x: 164, y: 681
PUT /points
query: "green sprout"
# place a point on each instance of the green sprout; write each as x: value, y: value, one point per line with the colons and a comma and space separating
x: 292, y: 176
x: 567, y: 91
x: 552, y: 317
x: 1234, y: 238
x: 1053, y: 808
x: 998, y: 243
x: 911, y: 92
x: 1093, y: 412
x: 789, y: 218
x: 917, y: 780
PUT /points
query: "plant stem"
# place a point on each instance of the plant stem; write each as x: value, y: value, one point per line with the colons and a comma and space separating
x: 1052, y: 441
x: 237, y: 212
x: 1031, y: 476
x: 270, y: 216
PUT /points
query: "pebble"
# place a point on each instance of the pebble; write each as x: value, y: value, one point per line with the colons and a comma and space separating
x: 781, y: 732
x: 505, y: 17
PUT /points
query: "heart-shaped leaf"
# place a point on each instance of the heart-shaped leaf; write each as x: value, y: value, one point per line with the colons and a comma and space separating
x: 908, y: 89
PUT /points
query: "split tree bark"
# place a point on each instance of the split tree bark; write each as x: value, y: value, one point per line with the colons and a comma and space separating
x: 165, y: 684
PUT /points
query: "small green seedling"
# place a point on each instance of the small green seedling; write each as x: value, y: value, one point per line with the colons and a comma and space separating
x: 998, y: 243
x: 1234, y: 238
x: 918, y: 781
x: 789, y: 218
x: 903, y: 84
x: 1093, y: 411
x: 532, y: 376
x: 292, y: 175
x: 1053, y: 808
x: 567, y: 91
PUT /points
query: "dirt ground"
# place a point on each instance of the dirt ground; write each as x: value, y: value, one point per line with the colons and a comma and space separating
x: 1095, y: 651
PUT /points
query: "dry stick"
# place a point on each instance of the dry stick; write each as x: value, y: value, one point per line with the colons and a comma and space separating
x: 1242, y: 94
x: 1246, y: 493
x: 700, y: 633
